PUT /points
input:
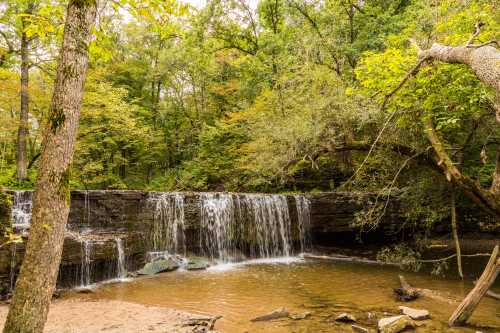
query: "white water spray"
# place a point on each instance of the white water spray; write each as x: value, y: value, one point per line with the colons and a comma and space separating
x: 120, y: 259
x: 304, y: 221
x: 168, y: 225
x: 86, y: 263
x: 21, y: 209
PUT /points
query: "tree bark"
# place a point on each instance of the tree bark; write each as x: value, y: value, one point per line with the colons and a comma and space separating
x: 469, y: 304
x: 483, y: 60
x: 22, y: 133
x: 37, y: 278
x: 455, y: 233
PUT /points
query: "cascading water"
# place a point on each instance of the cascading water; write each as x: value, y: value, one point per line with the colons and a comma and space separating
x: 216, y: 225
x: 303, y: 221
x: 228, y: 220
x: 167, y: 234
x: 121, y: 269
x: 272, y: 224
x: 87, y: 208
x: 21, y: 209
x: 86, y: 263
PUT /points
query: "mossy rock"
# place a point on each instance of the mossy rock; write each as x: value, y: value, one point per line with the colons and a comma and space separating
x: 5, y: 211
x: 159, y: 266
x: 197, y: 263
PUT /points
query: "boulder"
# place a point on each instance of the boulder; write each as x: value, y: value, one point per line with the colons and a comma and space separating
x: 159, y: 266
x: 415, y: 314
x: 345, y: 318
x: 197, y: 263
x: 275, y: 314
x: 394, y: 324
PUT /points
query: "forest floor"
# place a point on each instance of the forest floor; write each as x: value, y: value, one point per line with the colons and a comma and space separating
x: 77, y: 316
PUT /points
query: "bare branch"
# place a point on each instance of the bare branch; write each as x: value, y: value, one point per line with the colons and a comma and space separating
x: 477, y: 31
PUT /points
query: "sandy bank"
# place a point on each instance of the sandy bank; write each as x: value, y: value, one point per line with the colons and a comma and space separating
x: 77, y: 316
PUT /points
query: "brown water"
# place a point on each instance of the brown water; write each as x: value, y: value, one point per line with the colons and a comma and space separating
x: 325, y: 289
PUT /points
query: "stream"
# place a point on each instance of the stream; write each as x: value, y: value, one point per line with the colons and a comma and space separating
x: 242, y: 291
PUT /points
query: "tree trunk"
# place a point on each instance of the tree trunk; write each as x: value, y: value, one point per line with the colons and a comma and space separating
x: 484, y: 61
x: 495, y: 185
x: 22, y: 132
x: 455, y: 233
x: 469, y: 304
x: 37, y: 278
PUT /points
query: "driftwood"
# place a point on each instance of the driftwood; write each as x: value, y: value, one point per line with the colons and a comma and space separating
x: 408, y: 293
x: 491, y: 293
x: 208, y: 322
x: 470, y: 302
x: 348, y: 259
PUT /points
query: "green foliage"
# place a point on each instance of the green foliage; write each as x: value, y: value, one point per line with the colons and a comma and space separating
x: 401, y: 254
x: 231, y: 97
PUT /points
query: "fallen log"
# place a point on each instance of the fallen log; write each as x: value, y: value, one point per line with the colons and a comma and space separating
x: 470, y: 302
x: 344, y: 258
x: 408, y: 293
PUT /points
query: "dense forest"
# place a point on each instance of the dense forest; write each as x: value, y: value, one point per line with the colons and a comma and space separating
x: 274, y: 96
x: 399, y: 99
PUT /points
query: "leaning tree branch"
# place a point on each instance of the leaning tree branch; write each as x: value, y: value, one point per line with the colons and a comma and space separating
x: 479, y: 195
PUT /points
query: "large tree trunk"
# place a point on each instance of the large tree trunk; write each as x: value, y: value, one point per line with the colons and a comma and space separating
x: 22, y: 133
x: 484, y: 61
x: 37, y: 278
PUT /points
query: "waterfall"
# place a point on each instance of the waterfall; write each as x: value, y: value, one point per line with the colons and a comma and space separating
x: 21, y: 209
x: 86, y: 263
x: 168, y: 223
x: 303, y: 221
x: 216, y: 230
x: 87, y: 207
x: 120, y: 259
x: 228, y: 220
x: 272, y: 223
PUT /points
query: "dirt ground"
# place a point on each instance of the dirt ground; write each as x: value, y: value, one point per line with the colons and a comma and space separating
x: 78, y: 316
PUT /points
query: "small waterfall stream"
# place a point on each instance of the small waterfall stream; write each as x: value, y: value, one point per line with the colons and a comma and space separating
x: 121, y: 269
x: 21, y: 209
x: 304, y: 221
x: 167, y: 234
x: 86, y: 263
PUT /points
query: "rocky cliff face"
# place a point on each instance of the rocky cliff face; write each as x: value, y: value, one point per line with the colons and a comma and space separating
x: 98, y: 219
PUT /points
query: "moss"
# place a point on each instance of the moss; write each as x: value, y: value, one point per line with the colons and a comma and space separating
x: 64, y: 189
x: 56, y: 119
x: 84, y: 3
x: 5, y: 211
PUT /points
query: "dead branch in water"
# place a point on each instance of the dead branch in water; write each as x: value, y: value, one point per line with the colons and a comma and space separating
x: 408, y: 293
